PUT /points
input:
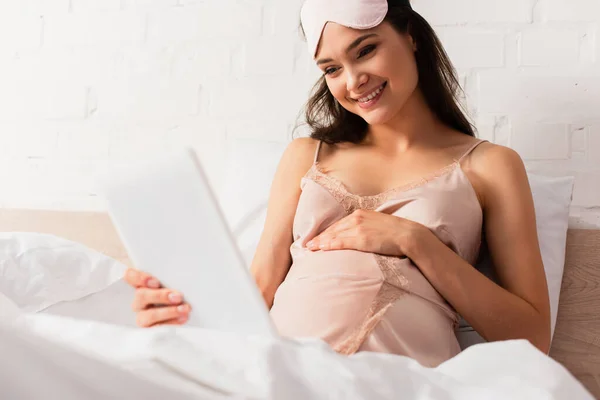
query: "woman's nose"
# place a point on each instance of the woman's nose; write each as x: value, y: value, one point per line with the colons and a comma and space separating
x: 355, y: 80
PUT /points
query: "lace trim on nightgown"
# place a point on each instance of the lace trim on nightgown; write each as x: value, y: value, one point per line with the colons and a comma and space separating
x: 352, y: 202
x: 394, y: 286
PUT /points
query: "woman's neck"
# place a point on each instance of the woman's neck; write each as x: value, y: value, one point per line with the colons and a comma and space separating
x: 415, y: 124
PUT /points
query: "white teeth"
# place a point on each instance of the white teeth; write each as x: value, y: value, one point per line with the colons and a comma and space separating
x: 371, y: 96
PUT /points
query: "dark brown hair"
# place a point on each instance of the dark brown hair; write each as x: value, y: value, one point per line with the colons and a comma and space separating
x: 332, y: 123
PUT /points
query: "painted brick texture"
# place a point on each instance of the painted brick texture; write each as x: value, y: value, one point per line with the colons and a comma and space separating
x: 87, y: 83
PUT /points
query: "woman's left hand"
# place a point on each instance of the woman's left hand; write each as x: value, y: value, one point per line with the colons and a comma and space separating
x: 369, y: 231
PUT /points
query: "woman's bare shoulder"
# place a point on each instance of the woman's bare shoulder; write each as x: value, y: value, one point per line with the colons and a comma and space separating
x: 491, y: 159
x: 297, y: 158
x: 299, y: 155
x: 303, y: 146
x: 494, y: 169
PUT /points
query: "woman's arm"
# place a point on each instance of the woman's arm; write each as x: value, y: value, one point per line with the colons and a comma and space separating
x: 272, y: 259
x: 519, y: 308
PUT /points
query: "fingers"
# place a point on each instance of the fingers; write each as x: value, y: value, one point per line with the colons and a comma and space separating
x: 334, y: 244
x: 145, y: 298
x: 342, y: 228
x: 353, y: 220
x: 336, y: 227
x: 175, y: 321
x: 155, y: 306
x: 349, y: 232
x: 332, y: 240
x: 172, y: 315
x: 139, y: 279
x: 338, y: 243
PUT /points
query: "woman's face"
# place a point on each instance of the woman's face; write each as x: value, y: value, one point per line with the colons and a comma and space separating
x: 371, y: 73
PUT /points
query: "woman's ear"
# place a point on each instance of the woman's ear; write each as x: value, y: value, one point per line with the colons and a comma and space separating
x: 413, y: 43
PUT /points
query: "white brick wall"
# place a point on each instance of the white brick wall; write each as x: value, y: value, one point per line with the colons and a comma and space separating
x: 86, y: 83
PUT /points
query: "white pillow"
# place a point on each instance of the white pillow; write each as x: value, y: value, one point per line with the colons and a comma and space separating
x: 111, y: 305
x: 251, y: 166
x: 40, y: 270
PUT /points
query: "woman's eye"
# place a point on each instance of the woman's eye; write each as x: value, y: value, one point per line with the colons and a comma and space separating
x: 366, y: 51
x: 329, y: 71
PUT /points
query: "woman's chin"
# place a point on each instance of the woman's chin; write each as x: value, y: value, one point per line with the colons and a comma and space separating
x: 377, y: 117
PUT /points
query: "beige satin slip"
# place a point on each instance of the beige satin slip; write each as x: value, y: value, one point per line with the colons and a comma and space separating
x: 359, y: 301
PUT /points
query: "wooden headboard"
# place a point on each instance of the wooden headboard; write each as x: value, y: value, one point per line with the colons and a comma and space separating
x: 576, y: 341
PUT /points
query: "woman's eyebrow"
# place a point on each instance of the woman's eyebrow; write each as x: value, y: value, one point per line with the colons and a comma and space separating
x: 353, y: 45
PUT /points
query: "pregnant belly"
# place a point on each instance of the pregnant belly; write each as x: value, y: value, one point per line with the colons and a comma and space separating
x: 329, y: 295
x: 326, y: 294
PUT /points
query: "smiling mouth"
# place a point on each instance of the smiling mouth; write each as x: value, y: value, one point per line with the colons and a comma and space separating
x: 371, y: 96
x: 372, y: 99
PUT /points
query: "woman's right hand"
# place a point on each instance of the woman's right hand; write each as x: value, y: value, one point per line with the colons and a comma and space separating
x: 154, y: 304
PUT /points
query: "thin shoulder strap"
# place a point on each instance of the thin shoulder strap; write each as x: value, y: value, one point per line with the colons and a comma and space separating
x: 471, y: 150
x: 317, y: 152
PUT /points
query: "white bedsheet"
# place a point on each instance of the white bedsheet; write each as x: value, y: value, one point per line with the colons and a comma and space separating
x: 210, y: 364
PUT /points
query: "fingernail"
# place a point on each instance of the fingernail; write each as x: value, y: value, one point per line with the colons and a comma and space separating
x: 182, y: 309
x: 175, y: 298
x: 153, y: 283
x: 322, y: 246
x: 310, y: 244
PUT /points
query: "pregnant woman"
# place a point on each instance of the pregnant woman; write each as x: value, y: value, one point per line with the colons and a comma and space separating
x: 375, y: 221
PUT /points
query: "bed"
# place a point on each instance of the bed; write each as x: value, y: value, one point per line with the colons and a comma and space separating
x: 576, y: 341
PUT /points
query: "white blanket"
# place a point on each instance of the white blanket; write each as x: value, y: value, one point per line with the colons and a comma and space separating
x: 210, y: 364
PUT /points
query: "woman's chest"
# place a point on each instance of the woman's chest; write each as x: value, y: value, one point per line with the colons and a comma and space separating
x: 323, y: 203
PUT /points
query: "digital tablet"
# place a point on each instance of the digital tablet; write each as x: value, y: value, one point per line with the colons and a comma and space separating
x: 172, y: 227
